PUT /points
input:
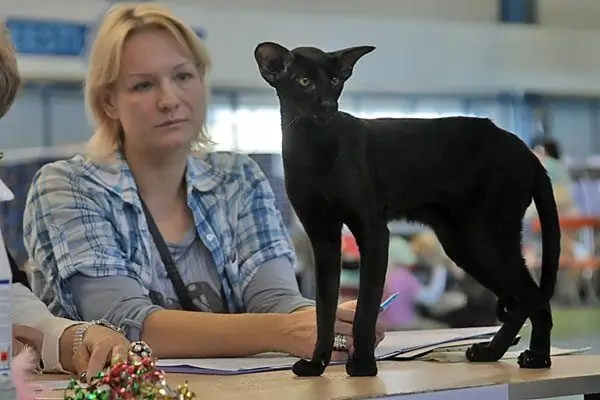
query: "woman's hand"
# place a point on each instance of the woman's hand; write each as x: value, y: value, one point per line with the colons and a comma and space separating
x: 100, y: 347
x: 344, y: 322
x: 26, y: 336
x: 300, y: 334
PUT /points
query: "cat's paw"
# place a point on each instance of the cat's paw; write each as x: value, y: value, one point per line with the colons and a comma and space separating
x: 308, y: 368
x: 531, y: 360
x: 481, y: 352
x: 356, y: 367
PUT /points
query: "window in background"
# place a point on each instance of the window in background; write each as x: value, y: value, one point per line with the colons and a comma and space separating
x: 258, y: 123
x: 349, y: 103
x: 69, y: 122
x: 23, y: 125
x: 440, y: 106
x: 493, y: 109
x: 220, y: 121
x: 372, y: 106
x: 571, y: 123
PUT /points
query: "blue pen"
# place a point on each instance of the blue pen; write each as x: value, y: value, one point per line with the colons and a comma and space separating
x: 387, y: 302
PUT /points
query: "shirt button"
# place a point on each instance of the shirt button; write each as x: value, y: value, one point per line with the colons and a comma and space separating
x: 210, y: 237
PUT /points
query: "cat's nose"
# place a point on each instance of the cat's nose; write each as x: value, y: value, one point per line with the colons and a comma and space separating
x: 329, y: 105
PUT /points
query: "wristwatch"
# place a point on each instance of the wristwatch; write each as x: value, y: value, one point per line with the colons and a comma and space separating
x: 81, y: 329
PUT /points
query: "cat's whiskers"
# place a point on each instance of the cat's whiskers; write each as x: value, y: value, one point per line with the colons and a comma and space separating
x: 296, y: 118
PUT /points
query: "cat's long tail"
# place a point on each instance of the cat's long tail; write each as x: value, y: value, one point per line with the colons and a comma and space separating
x: 543, y: 196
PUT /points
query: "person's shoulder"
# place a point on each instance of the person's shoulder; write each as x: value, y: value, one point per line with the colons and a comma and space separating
x: 64, y: 170
x: 78, y: 172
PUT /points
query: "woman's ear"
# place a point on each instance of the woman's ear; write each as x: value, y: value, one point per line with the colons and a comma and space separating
x: 109, y: 105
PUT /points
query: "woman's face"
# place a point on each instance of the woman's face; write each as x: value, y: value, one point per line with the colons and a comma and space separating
x: 159, y: 96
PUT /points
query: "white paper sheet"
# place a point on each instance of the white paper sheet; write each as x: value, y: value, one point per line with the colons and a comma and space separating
x: 395, y: 343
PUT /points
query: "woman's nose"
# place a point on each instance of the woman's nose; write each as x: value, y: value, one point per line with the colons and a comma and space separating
x: 168, y: 97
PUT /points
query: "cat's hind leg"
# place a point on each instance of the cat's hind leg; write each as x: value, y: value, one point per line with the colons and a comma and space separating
x: 527, y: 296
x: 458, y: 243
x: 325, y: 234
x: 523, y: 295
x: 496, y: 249
x: 538, y: 354
x: 526, y: 299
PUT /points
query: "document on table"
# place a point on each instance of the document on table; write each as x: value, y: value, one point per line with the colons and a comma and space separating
x: 396, y: 345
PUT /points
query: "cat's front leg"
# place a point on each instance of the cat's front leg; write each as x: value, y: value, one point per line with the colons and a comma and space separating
x: 373, y: 240
x: 325, y: 234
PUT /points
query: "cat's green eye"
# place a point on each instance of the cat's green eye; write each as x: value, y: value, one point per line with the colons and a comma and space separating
x: 304, y: 82
x: 335, y: 81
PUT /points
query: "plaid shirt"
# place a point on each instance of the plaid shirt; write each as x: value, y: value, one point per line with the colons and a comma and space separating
x: 84, y: 217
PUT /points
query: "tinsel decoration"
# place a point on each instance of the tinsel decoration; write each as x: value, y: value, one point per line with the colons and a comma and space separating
x: 136, y: 378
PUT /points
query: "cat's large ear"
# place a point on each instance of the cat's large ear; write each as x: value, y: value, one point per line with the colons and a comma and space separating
x: 272, y: 59
x: 347, y: 58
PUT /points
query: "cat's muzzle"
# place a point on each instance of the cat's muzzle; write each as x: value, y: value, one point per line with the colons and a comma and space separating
x: 323, y: 118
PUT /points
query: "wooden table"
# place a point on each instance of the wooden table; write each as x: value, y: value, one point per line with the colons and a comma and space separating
x: 409, y: 380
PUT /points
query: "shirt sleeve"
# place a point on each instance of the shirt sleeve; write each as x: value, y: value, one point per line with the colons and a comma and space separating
x: 129, y: 307
x: 274, y: 289
x: 261, y: 234
x: 28, y: 310
x: 69, y: 230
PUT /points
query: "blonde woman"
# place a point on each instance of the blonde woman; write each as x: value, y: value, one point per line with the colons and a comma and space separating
x: 62, y: 345
x: 179, y: 246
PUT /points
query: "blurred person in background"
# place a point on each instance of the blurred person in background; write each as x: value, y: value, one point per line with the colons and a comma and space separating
x: 550, y: 154
x: 464, y: 302
x: 403, y: 313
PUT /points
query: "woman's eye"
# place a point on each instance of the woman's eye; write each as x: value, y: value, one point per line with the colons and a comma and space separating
x: 140, y: 87
x: 183, y: 76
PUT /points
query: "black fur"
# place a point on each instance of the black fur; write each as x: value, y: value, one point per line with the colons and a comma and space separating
x: 466, y: 178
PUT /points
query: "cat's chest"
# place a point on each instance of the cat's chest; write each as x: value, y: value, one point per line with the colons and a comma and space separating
x: 308, y: 167
x: 326, y: 176
x: 310, y: 153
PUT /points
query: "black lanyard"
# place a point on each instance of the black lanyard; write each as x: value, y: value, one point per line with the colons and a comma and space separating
x: 182, y: 294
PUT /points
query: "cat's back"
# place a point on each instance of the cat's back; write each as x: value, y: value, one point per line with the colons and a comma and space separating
x: 469, y: 133
x: 424, y: 126
x: 449, y: 144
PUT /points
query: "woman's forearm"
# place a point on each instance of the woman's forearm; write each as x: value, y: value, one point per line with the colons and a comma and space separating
x: 183, y: 334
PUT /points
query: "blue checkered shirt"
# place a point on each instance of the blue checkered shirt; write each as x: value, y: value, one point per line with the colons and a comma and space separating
x: 85, y: 217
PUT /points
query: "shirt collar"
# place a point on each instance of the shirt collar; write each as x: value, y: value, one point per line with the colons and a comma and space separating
x: 200, y: 176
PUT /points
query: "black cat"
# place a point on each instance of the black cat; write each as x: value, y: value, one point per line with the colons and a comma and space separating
x: 466, y: 178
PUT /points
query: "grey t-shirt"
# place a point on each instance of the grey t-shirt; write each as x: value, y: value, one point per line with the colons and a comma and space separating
x: 200, y: 276
x: 123, y: 302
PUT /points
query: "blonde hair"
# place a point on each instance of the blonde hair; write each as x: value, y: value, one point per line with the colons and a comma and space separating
x: 120, y: 22
x: 10, y: 79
